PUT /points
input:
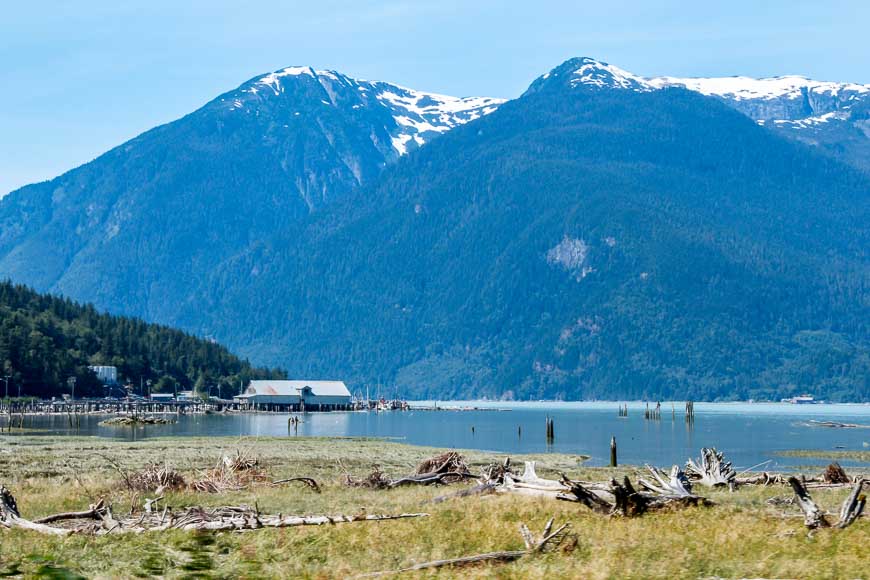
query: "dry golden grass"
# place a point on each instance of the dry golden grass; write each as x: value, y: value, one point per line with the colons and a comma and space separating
x: 741, y: 537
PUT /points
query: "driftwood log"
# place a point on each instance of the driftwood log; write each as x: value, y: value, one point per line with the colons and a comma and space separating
x: 529, y: 483
x: 431, y: 478
x: 833, y: 477
x: 308, y: 481
x: 99, y: 520
x: 613, y: 498
x: 835, y: 473
x: 441, y: 469
x: 479, y: 489
x: 814, y: 516
x: 10, y: 518
x: 549, y: 540
x: 623, y: 499
x: 763, y: 478
x: 712, y: 470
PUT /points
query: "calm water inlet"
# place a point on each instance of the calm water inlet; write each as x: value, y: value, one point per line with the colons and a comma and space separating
x: 748, y: 433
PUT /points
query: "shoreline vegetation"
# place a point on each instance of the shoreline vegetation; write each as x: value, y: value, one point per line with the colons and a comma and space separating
x: 832, y: 455
x: 135, y: 420
x: 290, y: 485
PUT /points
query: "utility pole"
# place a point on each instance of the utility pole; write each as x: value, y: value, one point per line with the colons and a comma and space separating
x: 6, y: 380
x: 72, y: 385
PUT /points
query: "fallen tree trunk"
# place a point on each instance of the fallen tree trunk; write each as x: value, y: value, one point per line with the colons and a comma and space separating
x: 547, y: 541
x: 89, y: 514
x: 480, y: 489
x: 101, y: 521
x: 509, y: 556
x: 430, y: 479
x: 853, y: 506
x: 580, y: 493
x: 446, y: 468
x: 814, y: 517
x: 10, y: 518
x: 306, y: 480
x: 628, y: 501
x: 763, y: 478
x: 529, y: 483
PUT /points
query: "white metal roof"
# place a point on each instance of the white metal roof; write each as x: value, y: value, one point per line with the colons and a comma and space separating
x: 293, y: 388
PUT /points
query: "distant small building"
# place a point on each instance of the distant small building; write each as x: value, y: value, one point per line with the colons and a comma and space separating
x: 162, y: 397
x: 106, y: 374
x: 801, y: 400
x: 296, y: 396
x: 186, y: 395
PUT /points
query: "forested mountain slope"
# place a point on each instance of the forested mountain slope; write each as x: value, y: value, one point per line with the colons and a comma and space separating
x: 591, y: 239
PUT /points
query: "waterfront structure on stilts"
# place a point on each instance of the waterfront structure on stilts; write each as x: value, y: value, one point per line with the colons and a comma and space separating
x: 295, y: 396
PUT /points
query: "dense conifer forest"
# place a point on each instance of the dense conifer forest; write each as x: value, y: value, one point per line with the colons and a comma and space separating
x: 45, y: 340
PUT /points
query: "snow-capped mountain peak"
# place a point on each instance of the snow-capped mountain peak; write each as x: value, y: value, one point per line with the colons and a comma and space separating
x: 782, y: 100
x: 599, y: 74
x: 416, y: 116
x: 588, y: 73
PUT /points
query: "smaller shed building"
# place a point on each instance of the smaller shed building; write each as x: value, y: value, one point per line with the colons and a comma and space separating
x: 298, y: 396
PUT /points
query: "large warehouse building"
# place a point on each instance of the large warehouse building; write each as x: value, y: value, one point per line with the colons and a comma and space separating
x: 296, y: 396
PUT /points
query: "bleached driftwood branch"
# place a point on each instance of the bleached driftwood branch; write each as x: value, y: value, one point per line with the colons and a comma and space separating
x: 712, y: 470
x: 676, y: 484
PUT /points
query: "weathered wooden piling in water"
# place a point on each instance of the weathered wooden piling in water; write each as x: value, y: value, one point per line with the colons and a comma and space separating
x: 613, y: 462
x: 690, y: 411
x: 550, y: 430
x: 653, y: 414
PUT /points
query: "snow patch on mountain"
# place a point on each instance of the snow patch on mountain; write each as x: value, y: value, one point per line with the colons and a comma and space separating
x: 811, y: 121
x: 272, y: 80
x: 742, y: 88
x: 419, y: 115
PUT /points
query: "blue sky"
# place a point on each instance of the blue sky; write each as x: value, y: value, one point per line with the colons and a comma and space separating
x: 78, y: 78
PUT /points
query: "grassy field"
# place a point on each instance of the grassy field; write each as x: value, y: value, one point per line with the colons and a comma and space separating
x: 742, y: 536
